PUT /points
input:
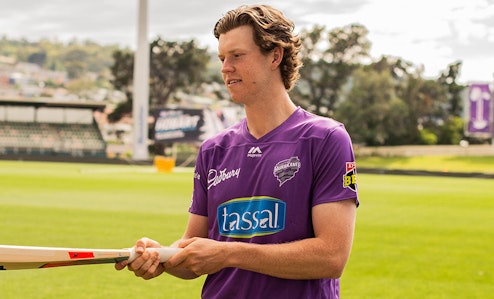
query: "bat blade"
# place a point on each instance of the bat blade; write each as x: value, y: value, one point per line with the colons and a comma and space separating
x: 32, y: 257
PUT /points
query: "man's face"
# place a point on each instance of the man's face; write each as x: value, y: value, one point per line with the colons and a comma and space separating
x: 246, y: 71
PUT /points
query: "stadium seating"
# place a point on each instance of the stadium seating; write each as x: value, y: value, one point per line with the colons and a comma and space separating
x: 56, y: 139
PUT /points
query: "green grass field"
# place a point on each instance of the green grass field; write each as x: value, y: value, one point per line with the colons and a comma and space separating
x: 416, y: 237
x: 471, y: 164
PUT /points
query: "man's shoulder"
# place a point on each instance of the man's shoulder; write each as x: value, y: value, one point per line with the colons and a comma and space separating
x: 225, y: 137
x: 316, y: 122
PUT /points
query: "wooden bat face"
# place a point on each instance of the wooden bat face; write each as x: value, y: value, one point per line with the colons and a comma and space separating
x: 32, y: 257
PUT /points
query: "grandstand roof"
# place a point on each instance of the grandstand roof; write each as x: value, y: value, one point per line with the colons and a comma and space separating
x: 49, y: 102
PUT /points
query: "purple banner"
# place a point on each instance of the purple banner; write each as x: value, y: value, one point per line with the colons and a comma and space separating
x: 479, y: 100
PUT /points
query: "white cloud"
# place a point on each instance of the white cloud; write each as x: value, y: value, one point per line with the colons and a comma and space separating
x: 432, y: 33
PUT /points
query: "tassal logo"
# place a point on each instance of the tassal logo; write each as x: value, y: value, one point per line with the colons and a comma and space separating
x: 250, y: 217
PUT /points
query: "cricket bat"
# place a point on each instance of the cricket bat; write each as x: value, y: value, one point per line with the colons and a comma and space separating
x: 33, y: 257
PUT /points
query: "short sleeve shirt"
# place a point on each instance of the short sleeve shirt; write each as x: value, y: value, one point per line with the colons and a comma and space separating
x: 262, y: 191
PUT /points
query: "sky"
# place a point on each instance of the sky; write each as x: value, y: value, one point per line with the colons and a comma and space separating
x: 427, y: 33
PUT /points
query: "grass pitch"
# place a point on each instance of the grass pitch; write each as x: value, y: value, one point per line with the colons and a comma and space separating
x: 470, y: 164
x: 95, y: 206
x: 422, y: 237
x: 416, y: 237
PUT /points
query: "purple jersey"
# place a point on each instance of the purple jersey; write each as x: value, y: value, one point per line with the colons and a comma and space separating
x: 262, y: 191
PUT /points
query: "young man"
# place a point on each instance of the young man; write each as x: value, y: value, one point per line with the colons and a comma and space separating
x: 274, y: 202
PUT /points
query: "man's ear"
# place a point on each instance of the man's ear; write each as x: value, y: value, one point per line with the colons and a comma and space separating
x: 277, y: 56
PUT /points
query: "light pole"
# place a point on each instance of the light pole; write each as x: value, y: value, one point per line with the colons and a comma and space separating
x: 140, y: 105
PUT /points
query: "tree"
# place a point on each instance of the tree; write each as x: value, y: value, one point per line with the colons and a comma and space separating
x: 329, y: 59
x: 389, y: 103
x: 372, y: 113
x: 448, y: 79
x: 451, y: 132
x: 430, y: 106
x: 426, y: 101
x: 122, y: 70
x: 75, y: 62
x: 173, y: 66
x: 38, y: 58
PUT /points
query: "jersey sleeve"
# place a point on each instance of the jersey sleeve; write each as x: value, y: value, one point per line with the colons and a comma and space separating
x: 335, y: 173
x: 199, y: 196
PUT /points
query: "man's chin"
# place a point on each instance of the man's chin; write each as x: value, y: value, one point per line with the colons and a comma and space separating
x: 236, y: 100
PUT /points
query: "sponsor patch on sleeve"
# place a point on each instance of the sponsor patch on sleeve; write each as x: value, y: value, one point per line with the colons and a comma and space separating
x: 350, y: 176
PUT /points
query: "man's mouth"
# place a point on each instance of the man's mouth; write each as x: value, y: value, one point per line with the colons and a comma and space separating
x: 233, y: 81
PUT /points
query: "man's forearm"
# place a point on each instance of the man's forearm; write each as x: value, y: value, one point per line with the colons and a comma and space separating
x: 305, y: 259
x: 181, y: 273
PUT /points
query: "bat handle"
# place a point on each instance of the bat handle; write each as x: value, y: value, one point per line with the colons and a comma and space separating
x: 165, y: 253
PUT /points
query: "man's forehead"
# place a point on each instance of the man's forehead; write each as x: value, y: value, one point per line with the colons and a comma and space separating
x: 236, y: 39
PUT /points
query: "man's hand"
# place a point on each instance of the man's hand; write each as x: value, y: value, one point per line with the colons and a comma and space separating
x: 200, y: 256
x: 147, y: 265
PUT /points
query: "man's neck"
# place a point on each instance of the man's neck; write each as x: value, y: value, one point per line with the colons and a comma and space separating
x: 265, y: 116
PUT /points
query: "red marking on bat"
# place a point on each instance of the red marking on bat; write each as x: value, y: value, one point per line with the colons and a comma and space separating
x: 81, y: 255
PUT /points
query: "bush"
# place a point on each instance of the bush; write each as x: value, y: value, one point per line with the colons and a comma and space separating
x: 427, y: 137
x: 452, y: 131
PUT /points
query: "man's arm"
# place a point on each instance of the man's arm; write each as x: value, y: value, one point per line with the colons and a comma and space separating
x: 197, y: 226
x: 323, y: 256
x: 148, y: 265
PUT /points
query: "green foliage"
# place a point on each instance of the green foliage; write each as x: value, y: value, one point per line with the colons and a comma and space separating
x: 371, y: 111
x: 427, y: 137
x: 448, y: 79
x: 76, y: 57
x: 329, y: 58
x: 383, y: 103
x: 122, y: 108
x: 386, y: 102
x: 452, y: 130
x: 38, y: 58
x: 74, y: 63
x: 174, y: 66
x: 122, y: 77
x: 123, y: 63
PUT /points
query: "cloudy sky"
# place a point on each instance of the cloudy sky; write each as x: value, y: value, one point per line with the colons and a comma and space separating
x: 430, y: 33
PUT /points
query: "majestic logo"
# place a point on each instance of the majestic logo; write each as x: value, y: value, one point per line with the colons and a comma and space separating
x: 216, y: 177
x: 254, y: 152
x: 285, y: 170
x: 250, y: 217
x: 350, y: 176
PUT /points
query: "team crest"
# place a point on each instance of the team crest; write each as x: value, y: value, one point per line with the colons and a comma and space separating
x: 350, y: 177
x: 285, y: 170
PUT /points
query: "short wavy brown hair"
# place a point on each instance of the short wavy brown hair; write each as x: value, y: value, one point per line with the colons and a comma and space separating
x: 271, y: 29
